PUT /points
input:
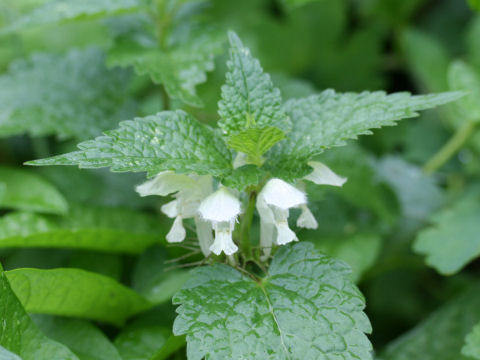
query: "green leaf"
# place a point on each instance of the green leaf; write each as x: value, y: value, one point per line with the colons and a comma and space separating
x: 306, y: 308
x: 25, y: 190
x: 442, y: 335
x: 153, y: 280
x: 329, y: 119
x: 169, y: 140
x: 179, y: 68
x: 452, y: 240
x: 147, y: 342
x: 100, y: 229
x: 18, y: 334
x: 83, y: 338
x: 244, y: 176
x: 472, y: 343
x: 55, y: 11
x: 71, y: 95
x: 249, y: 98
x: 77, y: 293
x: 360, y: 251
x: 462, y: 76
x: 474, y: 4
x: 255, y: 141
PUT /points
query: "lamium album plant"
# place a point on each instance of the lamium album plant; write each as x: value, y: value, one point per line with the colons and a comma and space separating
x: 151, y: 212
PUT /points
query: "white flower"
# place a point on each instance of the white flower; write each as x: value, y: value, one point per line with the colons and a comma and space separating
x: 306, y: 219
x: 273, y: 204
x: 189, y: 191
x: 323, y: 175
x: 221, y: 209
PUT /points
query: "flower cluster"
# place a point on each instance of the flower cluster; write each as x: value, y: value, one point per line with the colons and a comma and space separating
x: 217, y: 210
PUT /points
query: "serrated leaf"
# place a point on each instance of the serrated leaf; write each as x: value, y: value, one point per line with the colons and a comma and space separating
x: 441, y: 336
x: 101, y: 229
x: 55, y: 11
x: 169, y: 140
x: 472, y: 343
x: 75, y: 292
x: 462, y: 76
x: 180, y: 68
x: 249, y: 98
x: 83, y: 338
x: 305, y: 308
x: 452, y: 240
x: 24, y: 190
x: 243, y: 177
x: 18, y: 334
x: 329, y: 119
x: 255, y: 141
x: 71, y: 95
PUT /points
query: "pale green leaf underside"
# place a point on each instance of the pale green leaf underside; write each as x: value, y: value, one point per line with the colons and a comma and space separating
x: 83, y: 338
x: 306, y: 308
x: 55, y: 11
x: 329, y: 119
x: 19, y: 335
x: 71, y: 95
x: 255, y: 141
x: 76, y: 293
x: 452, y: 240
x: 442, y: 335
x: 472, y: 343
x: 169, y: 140
x: 100, y: 229
x: 462, y: 76
x: 179, y: 69
x: 25, y: 190
x: 249, y: 98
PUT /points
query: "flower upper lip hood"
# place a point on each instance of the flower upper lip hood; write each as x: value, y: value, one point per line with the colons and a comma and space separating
x: 220, y: 206
x: 282, y: 195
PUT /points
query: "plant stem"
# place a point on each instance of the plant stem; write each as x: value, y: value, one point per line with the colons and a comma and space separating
x: 451, y: 147
x: 165, y: 98
x: 247, y: 223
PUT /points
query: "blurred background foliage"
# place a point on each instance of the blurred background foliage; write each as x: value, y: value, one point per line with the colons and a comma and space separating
x: 407, y: 220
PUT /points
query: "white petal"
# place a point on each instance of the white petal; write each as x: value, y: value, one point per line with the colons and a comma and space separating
x: 223, y: 239
x: 220, y: 206
x: 177, y: 233
x: 165, y: 183
x: 205, y: 236
x: 323, y: 175
x: 267, y: 237
x: 282, y: 195
x: 284, y: 233
x: 170, y: 209
x: 306, y: 219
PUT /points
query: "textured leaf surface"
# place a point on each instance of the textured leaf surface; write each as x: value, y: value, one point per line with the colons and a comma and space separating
x: 101, y: 229
x: 442, y: 335
x: 180, y: 69
x: 54, y: 11
x: 305, y: 308
x: 75, y: 292
x: 83, y: 338
x: 329, y: 119
x: 18, y: 334
x: 244, y: 176
x: 255, y: 141
x: 472, y: 343
x: 68, y: 95
x: 25, y: 190
x: 452, y: 240
x: 169, y: 140
x: 249, y: 98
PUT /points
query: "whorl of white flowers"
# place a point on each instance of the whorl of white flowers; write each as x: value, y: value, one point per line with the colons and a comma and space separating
x: 219, y: 210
